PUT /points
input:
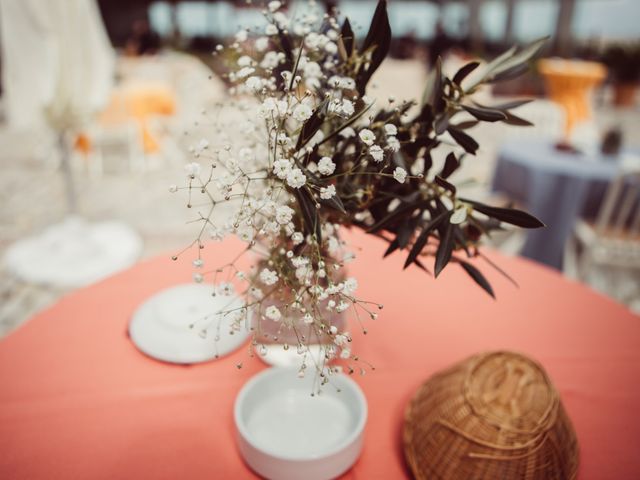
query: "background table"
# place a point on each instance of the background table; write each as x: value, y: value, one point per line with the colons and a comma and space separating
x: 557, y: 187
x: 77, y: 400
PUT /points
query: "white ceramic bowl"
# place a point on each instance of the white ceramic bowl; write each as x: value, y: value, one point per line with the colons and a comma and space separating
x: 284, y: 433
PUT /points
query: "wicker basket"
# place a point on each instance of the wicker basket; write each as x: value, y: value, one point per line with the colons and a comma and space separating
x: 493, y: 416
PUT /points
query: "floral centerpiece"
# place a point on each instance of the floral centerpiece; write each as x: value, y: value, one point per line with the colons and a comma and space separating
x: 317, y: 155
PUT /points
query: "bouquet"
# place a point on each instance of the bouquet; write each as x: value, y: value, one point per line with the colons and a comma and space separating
x: 314, y: 154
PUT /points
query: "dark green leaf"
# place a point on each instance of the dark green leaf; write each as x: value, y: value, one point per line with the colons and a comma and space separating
x: 421, y: 241
x: 507, y: 215
x: 312, y: 125
x: 394, y: 215
x: 450, y: 165
x: 334, y: 202
x: 379, y: 39
x: 348, y: 37
x: 445, y: 247
x: 485, y: 114
x: 464, y: 140
x: 309, y: 212
x: 511, y: 105
x: 393, y: 246
x: 474, y: 273
x: 444, y: 184
x: 441, y: 123
x: 498, y: 269
x: 464, y: 72
x: 466, y: 125
x: 509, y: 74
x: 515, y: 120
x: 285, y: 43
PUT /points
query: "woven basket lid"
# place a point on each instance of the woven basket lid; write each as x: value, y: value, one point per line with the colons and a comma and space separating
x: 493, y: 416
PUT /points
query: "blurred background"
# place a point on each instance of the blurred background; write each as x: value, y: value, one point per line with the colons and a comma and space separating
x: 101, y: 101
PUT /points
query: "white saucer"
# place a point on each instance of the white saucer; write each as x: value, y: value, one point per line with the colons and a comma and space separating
x: 74, y: 253
x: 182, y: 325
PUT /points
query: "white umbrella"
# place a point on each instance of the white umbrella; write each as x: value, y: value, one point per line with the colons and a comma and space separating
x: 58, y: 69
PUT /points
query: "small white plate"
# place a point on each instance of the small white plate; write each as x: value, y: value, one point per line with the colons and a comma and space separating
x: 161, y: 326
x: 285, y: 433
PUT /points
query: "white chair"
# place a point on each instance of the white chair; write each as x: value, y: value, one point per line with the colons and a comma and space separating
x: 606, y: 254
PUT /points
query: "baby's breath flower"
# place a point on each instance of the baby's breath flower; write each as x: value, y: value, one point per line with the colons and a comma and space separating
x: 367, y: 136
x: 390, y: 129
x: 345, y: 353
x: 225, y: 289
x: 302, y: 112
x: 273, y: 313
x: 262, y: 44
x: 274, y: 5
x: 297, y: 238
x: 192, y: 169
x: 284, y: 214
x: 376, y: 152
x: 245, y: 233
x: 393, y: 144
x: 400, y: 174
x: 327, y: 192
x: 245, y: 61
x: 295, y: 178
x: 459, y: 215
x: 268, y: 277
x: 271, y: 29
x: 326, y: 166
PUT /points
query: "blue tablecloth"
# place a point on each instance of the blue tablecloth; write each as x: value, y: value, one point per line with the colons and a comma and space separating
x: 557, y: 187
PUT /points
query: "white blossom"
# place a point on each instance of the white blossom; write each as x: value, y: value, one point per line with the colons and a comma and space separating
x: 274, y: 5
x: 312, y: 69
x: 393, y: 144
x: 302, y: 112
x: 268, y: 277
x: 271, y: 29
x: 327, y: 192
x: 345, y: 353
x: 367, y: 136
x: 192, y: 169
x: 459, y: 215
x: 245, y: 233
x: 295, y: 178
x: 284, y: 214
x: 390, y: 129
x: 297, y: 238
x: 400, y: 174
x: 376, y: 152
x: 254, y: 83
x: 326, y: 166
x: 262, y: 44
x: 272, y: 313
x: 281, y: 168
x: 245, y: 61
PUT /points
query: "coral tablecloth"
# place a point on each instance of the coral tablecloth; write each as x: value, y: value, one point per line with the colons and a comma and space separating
x: 78, y: 401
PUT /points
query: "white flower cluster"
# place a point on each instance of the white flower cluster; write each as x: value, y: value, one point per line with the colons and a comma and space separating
x: 260, y: 176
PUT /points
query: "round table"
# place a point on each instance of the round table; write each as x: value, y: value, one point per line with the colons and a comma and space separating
x: 556, y: 186
x: 77, y: 400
